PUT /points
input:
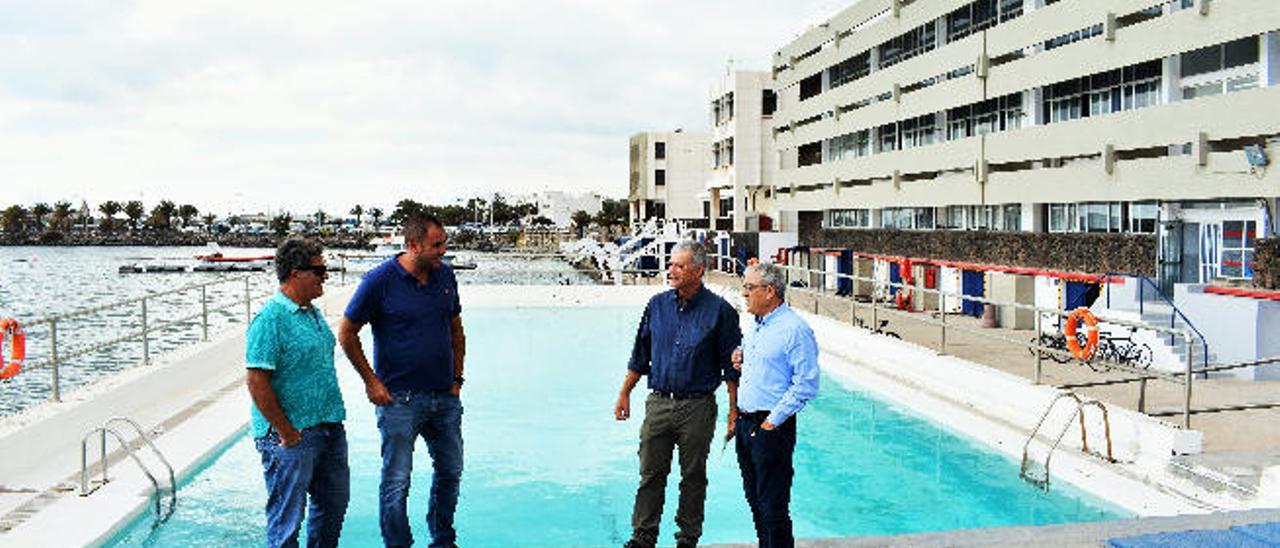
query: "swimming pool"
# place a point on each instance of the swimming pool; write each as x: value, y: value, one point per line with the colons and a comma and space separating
x: 546, y: 464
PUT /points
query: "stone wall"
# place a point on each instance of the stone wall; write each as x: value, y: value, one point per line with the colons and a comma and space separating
x: 1087, y: 253
x: 1266, y: 270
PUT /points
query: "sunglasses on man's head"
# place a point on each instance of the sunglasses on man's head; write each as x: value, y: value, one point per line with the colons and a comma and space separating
x: 318, y: 270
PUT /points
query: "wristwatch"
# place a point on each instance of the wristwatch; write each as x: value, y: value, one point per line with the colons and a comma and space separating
x: 458, y: 380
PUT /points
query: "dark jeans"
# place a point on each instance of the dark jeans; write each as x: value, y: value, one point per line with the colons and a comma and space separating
x: 668, y: 423
x: 764, y: 457
x: 316, y: 466
x: 437, y: 418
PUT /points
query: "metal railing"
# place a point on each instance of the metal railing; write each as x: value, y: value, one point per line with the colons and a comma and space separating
x: 59, y: 353
x: 808, y: 276
x: 104, y: 461
x: 1143, y: 282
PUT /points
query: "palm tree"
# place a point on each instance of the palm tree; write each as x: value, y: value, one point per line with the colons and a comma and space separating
x: 39, y: 211
x: 186, y: 212
x: 358, y: 210
x: 208, y: 219
x: 134, y: 211
x: 280, y: 224
x: 162, y: 215
x: 580, y: 220
x: 109, y: 209
x: 61, y: 215
x: 376, y: 213
x: 12, y: 219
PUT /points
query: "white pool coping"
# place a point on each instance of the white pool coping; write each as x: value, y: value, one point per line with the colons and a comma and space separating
x: 984, y: 404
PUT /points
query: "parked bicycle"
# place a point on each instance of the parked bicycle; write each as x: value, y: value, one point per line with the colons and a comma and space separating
x: 1121, y: 350
x: 880, y: 329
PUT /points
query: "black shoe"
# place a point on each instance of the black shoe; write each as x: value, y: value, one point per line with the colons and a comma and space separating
x: 633, y: 543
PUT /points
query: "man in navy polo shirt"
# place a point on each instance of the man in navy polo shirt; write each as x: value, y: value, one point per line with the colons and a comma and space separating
x: 418, y: 347
x: 685, y: 345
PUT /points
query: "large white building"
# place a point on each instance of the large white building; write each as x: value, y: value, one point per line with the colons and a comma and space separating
x: 1152, y: 122
x: 742, y: 160
x: 559, y: 206
x: 668, y: 172
x: 1040, y: 115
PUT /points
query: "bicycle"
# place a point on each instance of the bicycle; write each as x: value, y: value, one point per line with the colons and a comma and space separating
x: 1124, y: 351
x: 879, y: 330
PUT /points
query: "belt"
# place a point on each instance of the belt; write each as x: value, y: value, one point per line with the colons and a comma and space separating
x: 679, y: 395
x: 328, y: 426
x: 754, y: 416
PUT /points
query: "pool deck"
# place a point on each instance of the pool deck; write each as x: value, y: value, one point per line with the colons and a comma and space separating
x: 1240, y: 457
x: 194, y: 399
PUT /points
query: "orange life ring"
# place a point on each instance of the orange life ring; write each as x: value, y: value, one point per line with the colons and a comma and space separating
x: 1090, y: 347
x: 18, y: 352
x: 903, y: 298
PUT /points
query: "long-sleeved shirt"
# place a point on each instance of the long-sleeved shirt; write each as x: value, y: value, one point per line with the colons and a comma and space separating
x: 686, y: 348
x: 779, y: 365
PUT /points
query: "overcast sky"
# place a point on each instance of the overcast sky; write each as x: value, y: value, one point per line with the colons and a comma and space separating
x: 300, y: 105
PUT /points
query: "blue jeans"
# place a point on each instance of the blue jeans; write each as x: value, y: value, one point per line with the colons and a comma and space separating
x: 437, y: 418
x: 316, y: 466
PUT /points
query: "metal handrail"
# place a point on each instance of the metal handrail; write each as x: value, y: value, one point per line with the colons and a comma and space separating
x: 104, y: 462
x: 1177, y: 312
x: 1084, y: 434
x: 59, y: 355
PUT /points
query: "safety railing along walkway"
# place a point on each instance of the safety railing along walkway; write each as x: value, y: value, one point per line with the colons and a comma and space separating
x: 88, y: 488
x: 1175, y: 315
x: 60, y: 352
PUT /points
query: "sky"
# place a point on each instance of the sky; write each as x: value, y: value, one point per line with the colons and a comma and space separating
x: 238, y: 106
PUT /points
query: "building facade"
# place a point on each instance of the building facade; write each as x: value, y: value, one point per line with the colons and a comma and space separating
x: 559, y: 206
x: 1118, y: 117
x: 739, y: 188
x: 668, y: 172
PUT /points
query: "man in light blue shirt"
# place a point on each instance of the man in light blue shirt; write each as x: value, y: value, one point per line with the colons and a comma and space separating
x: 297, y: 406
x: 779, y: 361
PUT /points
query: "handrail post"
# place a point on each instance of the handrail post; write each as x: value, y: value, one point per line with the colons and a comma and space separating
x: 247, y: 316
x: 55, y: 384
x: 1186, y: 406
x: 1142, y: 395
x: 875, y: 311
x: 853, y: 303
x: 1039, y: 346
x: 146, y: 346
x: 204, y: 311
x: 942, y: 317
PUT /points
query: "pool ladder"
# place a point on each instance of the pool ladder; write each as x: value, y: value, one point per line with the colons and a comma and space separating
x: 87, y: 487
x: 1043, y: 483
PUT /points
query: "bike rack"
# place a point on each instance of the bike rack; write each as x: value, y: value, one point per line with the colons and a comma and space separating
x: 105, y: 429
x: 1043, y: 483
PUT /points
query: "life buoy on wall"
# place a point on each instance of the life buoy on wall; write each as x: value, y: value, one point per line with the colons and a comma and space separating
x: 18, y: 348
x: 1090, y: 347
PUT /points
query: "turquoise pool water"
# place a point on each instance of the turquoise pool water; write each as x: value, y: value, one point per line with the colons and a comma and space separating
x: 546, y: 464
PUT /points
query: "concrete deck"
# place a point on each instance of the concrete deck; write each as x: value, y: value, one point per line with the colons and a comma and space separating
x: 1238, y: 449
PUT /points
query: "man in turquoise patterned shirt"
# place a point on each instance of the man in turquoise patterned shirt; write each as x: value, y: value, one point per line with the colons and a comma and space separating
x: 297, y: 407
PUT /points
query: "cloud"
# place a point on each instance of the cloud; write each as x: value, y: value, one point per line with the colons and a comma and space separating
x: 305, y: 105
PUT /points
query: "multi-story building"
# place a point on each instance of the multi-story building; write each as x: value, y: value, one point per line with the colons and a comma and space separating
x: 559, y: 206
x: 1150, y: 122
x: 742, y: 159
x: 668, y: 172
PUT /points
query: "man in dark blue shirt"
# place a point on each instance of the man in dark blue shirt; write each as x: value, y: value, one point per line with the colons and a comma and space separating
x: 685, y: 345
x: 418, y: 347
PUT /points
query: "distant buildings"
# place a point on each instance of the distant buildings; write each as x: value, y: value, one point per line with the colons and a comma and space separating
x: 559, y: 206
x: 668, y: 172
x: 742, y: 160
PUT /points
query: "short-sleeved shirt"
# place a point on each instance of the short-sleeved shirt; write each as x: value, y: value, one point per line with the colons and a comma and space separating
x: 412, y: 325
x: 296, y: 345
x: 686, y: 348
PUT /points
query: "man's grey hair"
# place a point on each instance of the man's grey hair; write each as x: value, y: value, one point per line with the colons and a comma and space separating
x: 771, y: 275
x: 293, y: 254
x: 697, y: 252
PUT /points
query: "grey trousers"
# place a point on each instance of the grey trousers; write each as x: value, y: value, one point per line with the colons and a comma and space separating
x: 669, y: 423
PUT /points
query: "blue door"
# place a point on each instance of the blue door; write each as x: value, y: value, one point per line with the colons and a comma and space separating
x: 972, y: 284
x: 844, y: 265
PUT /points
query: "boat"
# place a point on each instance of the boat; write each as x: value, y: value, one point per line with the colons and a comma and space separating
x: 215, y: 255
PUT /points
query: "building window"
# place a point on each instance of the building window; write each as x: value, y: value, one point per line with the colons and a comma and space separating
x: 910, y: 44
x: 1142, y: 218
x: 768, y: 102
x: 1062, y: 218
x: 811, y: 86
x: 726, y: 207
x: 810, y: 154
x: 849, y: 70
x: 1073, y: 37
x: 660, y: 177
x: 660, y: 150
x: 1099, y: 217
x: 1012, y: 218
x: 1130, y: 88
x: 990, y: 116
x: 919, y: 131
x: 1221, y: 69
x: 1237, y: 248
x: 849, y: 145
x: 907, y: 218
x: 887, y: 138
x: 848, y: 218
